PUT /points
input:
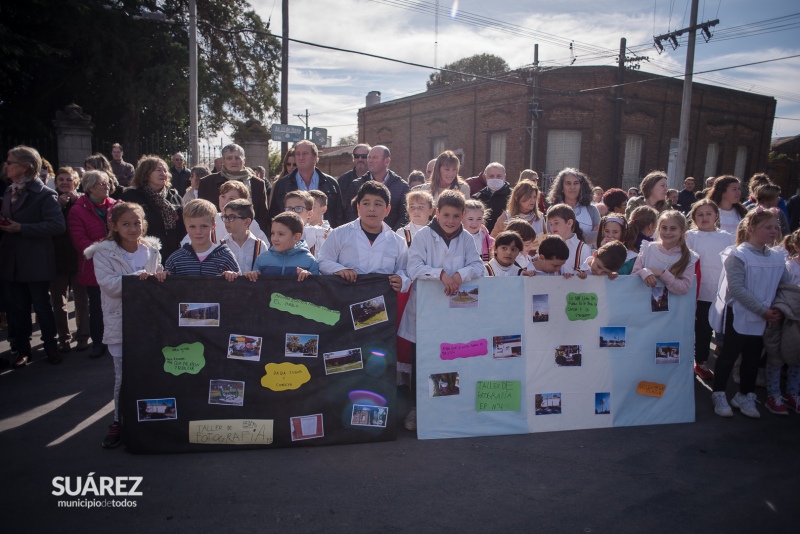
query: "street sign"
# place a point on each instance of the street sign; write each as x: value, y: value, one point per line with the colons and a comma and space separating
x: 319, y: 136
x: 285, y: 133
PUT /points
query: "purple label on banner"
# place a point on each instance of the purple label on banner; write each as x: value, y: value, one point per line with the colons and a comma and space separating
x: 451, y: 351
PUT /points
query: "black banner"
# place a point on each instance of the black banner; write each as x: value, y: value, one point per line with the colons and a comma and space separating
x: 216, y: 365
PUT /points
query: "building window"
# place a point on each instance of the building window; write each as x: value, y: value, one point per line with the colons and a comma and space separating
x: 563, y: 150
x: 741, y: 162
x: 632, y: 161
x: 497, y: 147
x: 438, y: 146
x: 712, y: 157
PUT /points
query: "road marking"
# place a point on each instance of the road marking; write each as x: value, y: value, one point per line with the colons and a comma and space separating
x: 30, y: 415
x: 102, y: 412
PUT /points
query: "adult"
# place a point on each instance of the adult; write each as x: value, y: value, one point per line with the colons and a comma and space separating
x: 261, y: 172
x: 308, y: 177
x: 378, y: 161
x: 198, y: 173
x: 633, y: 192
x: 654, y: 193
x: 429, y: 170
x: 686, y: 196
x: 31, y: 216
x: 98, y: 162
x: 88, y: 223
x: 476, y: 183
x: 533, y: 176
x: 218, y: 164
x: 360, y: 168
x: 615, y: 200
x: 233, y: 168
x: 445, y: 176
x: 289, y: 163
x: 121, y: 168
x: 496, y: 193
x: 162, y: 203
x: 726, y: 193
x: 67, y: 270
x: 573, y: 188
x: 181, y: 176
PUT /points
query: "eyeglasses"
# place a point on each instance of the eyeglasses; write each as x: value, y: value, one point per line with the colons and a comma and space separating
x: 359, y: 156
x: 291, y: 164
x: 296, y: 209
x: 102, y: 184
x: 231, y: 218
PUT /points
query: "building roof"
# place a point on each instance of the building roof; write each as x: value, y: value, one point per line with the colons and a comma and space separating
x: 777, y: 142
x: 337, y: 151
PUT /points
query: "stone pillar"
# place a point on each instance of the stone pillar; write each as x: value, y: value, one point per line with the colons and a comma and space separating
x: 254, y: 138
x: 73, y: 136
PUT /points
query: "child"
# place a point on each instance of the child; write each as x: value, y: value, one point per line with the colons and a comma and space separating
x: 522, y: 204
x: 672, y: 197
x: 474, y: 224
x: 641, y: 227
x: 707, y: 241
x: 288, y: 254
x: 750, y: 277
x: 562, y: 222
x: 319, y: 226
x: 440, y: 251
x: 781, y: 340
x: 231, y: 190
x: 529, y: 242
x: 302, y: 203
x: 125, y: 251
x: 419, y: 205
x: 200, y: 256
x: 791, y: 244
x: 416, y: 178
x: 667, y: 260
x: 507, y: 247
x: 612, y: 228
x: 367, y: 245
x: 238, y: 215
x: 607, y: 260
x: 767, y: 196
x: 553, y: 254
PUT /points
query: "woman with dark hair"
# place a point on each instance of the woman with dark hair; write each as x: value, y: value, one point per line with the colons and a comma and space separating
x: 654, y: 193
x: 31, y: 216
x: 98, y: 162
x: 445, y: 176
x: 573, y: 188
x: 289, y: 163
x: 162, y: 204
x: 726, y: 193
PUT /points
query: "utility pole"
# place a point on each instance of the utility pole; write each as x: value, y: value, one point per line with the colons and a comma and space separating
x: 308, y: 130
x: 194, y: 148
x: 285, y: 71
x: 535, y: 111
x: 616, y: 178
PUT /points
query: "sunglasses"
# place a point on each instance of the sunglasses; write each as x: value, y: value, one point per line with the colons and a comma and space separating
x: 359, y: 156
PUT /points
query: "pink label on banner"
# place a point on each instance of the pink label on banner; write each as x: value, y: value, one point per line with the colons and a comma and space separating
x: 451, y: 351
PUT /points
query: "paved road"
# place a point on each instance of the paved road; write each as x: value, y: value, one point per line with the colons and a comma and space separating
x: 716, y: 475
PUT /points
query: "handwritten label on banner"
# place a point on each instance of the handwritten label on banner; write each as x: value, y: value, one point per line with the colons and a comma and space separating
x: 185, y: 358
x: 283, y: 376
x: 231, y: 432
x: 581, y: 306
x: 651, y: 389
x: 304, y: 309
x: 451, y: 351
x: 499, y: 395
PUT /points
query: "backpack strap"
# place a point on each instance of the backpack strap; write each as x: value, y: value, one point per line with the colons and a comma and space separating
x: 256, y: 250
x: 578, y: 256
x: 408, y: 237
x: 489, y: 269
x: 214, y: 236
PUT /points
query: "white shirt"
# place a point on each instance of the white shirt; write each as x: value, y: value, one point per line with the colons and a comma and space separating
x: 499, y: 270
x: 315, y: 236
x: 709, y: 245
x: 219, y: 230
x: 245, y: 254
x: 572, y: 244
x: 729, y: 220
x: 412, y: 229
x: 137, y: 261
x: 348, y: 247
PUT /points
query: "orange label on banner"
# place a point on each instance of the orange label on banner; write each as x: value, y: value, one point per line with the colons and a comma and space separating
x: 651, y: 389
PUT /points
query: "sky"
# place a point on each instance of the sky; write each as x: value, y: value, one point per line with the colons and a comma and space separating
x: 332, y: 85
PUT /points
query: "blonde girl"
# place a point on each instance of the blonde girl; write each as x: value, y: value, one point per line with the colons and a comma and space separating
x: 707, y: 241
x: 419, y: 205
x: 475, y: 224
x: 125, y: 251
x: 641, y: 226
x: 742, y: 308
x: 791, y: 244
x: 667, y: 261
x: 522, y: 204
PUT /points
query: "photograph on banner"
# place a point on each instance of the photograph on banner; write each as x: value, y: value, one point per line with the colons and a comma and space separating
x: 612, y: 337
x: 307, y: 427
x: 366, y: 415
x: 242, y: 347
x: 368, y: 313
x: 465, y: 297
x: 659, y: 299
x: 198, y: 314
x: 342, y: 361
x: 569, y: 355
x: 226, y: 392
x: 548, y: 403
x: 157, y: 409
x: 443, y: 384
x: 541, y: 308
x: 602, y: 403
x: 668, y: 352
x: 506, y: 347
x: 301, y: 345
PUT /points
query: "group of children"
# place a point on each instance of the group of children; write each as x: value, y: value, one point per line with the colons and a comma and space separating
x: 449, y: 242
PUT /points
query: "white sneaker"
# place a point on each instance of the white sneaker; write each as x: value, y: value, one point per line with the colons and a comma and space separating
x: 746, y: 404
x: 721, y: 406
x: 411, y: 420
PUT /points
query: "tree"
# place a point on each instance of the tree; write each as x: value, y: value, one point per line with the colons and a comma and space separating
x: 480, y: 64
x: 351, y: 139
x: 131, y: 75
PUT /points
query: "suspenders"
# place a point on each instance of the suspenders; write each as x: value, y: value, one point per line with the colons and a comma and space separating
x: 578, y: 256
x: 489, y: 269
x: 408, y: 237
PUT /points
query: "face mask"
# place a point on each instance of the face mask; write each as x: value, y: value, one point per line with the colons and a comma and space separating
x: 495, y: 183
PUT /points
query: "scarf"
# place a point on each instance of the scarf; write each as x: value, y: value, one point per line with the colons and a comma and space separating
x: 241, y: 176
x: 167, y: 210
x: 19, y: 187
x: 434, y: 224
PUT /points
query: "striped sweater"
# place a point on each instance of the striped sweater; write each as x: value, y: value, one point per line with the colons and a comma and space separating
x: 184, y: 262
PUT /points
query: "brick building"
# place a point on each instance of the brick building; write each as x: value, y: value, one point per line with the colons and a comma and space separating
x: 486, y: 121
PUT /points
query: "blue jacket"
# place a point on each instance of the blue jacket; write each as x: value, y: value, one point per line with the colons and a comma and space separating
x: 274, y: 263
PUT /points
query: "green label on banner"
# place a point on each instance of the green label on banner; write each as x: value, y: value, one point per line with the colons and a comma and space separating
x: 304, y: 309
x: 185, y: 358
x: 581, y: 306
x: 499, y: 395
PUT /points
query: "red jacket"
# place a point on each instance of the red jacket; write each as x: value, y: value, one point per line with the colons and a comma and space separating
x: 85, y: 227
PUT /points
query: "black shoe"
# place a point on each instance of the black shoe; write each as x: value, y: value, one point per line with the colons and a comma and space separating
x: 98, y: 349
x: 83, y: 344
x: 113, y: 437
x: 22, y: 360
x: 53, y: 356
x: 63, y: 346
